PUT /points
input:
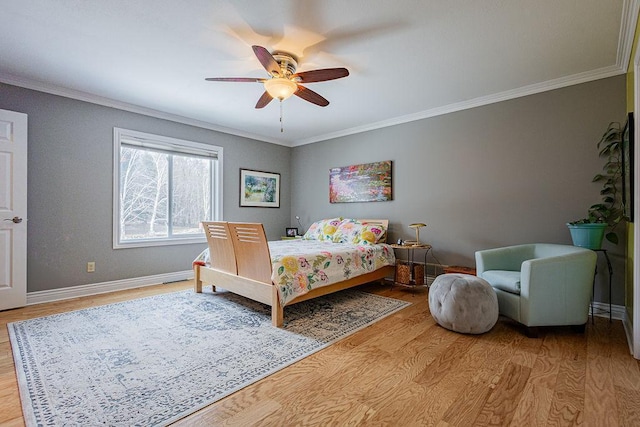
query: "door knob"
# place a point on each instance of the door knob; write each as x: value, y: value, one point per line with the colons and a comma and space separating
x: 15, y: 220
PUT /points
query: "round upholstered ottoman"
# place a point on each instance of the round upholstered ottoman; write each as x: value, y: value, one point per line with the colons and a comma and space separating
x: 463, y: 303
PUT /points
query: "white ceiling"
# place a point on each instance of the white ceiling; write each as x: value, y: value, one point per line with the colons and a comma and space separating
x: 408, y: 59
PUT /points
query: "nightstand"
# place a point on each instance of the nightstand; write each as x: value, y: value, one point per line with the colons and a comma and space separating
x: 410, y: 272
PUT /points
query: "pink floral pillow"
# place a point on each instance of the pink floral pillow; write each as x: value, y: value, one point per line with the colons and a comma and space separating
x: 371, y: 234
x: 323, y: 230
x: 357, y: 233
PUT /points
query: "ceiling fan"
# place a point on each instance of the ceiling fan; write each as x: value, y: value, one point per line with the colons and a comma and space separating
x: 283, y: 81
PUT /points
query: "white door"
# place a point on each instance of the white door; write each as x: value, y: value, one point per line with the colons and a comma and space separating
x: 13, y: 209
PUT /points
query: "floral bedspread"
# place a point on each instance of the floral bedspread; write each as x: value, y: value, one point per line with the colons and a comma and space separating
x: 301, y: 265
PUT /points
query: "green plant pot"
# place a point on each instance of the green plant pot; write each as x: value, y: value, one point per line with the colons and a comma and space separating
x: 587, y: 235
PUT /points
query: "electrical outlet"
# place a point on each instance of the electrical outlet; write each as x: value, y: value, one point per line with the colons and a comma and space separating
x: 91, y: 267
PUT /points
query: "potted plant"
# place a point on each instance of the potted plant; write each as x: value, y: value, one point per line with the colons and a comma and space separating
x: 588, y: 232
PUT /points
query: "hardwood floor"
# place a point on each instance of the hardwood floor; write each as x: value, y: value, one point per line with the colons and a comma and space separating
x: 405, y: 370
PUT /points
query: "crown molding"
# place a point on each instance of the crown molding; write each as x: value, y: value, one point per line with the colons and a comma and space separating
x: 575, y: 79
x: 132, y: 108
x: 628, y: 22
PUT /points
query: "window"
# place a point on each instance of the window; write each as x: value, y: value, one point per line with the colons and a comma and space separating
x: 163, y: 189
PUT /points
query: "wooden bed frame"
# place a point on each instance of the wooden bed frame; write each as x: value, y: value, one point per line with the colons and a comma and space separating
x: 241, y: 263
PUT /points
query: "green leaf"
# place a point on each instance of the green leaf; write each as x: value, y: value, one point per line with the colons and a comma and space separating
x: 609, y: 210
x: 597, y: 206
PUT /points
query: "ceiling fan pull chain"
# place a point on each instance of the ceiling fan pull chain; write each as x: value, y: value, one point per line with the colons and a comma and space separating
x: 281, y: 124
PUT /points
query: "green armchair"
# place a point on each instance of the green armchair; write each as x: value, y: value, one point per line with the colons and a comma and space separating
x: 540, y: 284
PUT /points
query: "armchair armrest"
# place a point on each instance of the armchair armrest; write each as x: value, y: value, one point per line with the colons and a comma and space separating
x: 556, y: 290
x: 508, y: 258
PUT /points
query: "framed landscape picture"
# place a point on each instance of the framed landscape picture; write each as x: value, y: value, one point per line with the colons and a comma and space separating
x: 259, y: 189
x: 369, y: 182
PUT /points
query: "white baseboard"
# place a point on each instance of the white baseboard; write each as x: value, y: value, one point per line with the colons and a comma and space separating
x: 601, y: 309
x: 618, y: 312
x: 40, y: 297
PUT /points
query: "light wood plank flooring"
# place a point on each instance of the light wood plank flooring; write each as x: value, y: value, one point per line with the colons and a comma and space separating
x: 407, y: 371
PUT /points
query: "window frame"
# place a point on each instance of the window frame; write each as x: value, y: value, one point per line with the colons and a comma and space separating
x: 171, y: 145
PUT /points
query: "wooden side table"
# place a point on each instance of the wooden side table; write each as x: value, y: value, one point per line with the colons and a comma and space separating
x: 410, y: 272
x: 459, y: 270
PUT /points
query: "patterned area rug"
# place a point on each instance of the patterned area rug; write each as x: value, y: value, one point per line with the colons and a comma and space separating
x: 154, y: 360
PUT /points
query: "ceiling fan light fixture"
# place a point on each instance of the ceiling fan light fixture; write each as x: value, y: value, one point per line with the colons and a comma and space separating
x: 283, y: 79
x: 280, y: 88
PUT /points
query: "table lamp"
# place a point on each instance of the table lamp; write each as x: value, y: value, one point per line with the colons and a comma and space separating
x: 417, y: 226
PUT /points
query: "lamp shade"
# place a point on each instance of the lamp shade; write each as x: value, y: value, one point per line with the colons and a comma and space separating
x: 280, y: 88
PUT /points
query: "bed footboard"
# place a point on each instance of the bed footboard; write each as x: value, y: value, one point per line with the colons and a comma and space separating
x: 265, y: 293
x: 240, y: 263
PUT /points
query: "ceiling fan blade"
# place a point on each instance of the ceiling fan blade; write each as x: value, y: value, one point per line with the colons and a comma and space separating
x: 235, y: 79
x: 264, y: 100
x: 267, y: 60
x: 311, y: 96
x: 322, y: 75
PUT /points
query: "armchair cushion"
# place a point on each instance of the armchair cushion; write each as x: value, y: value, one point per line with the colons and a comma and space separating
x: 508, y: 281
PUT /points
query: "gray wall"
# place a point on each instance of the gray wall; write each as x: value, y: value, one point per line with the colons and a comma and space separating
x: 70, y: 189
x: 497, y: 175
x: 507, y: 173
